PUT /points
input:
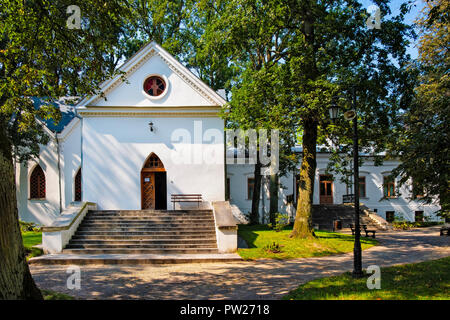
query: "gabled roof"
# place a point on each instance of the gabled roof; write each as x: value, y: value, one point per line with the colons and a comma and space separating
x: 67, y: 113
x: 146, y: 52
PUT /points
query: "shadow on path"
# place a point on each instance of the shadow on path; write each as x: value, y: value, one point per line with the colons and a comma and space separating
x: 261, y: 279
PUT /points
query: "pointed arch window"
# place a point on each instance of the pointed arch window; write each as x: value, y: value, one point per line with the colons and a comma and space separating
x: 153, y: 162
x: 37, y: 183
x: 77, y: 186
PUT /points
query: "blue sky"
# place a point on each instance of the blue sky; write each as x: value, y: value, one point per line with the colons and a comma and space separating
x: 410, y: 17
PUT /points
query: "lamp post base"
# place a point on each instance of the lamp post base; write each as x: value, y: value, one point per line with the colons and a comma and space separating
x: 357, y: 274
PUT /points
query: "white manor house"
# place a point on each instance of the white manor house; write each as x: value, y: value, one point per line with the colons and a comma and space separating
x: 159, y: 134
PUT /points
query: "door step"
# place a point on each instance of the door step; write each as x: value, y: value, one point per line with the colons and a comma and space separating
x: 132, y: 259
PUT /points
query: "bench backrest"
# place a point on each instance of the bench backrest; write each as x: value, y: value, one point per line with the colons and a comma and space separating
x: 186, y: 197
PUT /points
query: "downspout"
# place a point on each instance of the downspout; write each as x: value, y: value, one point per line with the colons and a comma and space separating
x: 58, y: 150
x: 81, y: 151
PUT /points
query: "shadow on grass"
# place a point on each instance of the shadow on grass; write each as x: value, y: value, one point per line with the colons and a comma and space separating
x: 249, y: 234
x: 260, y: 239
x: 426, y: 280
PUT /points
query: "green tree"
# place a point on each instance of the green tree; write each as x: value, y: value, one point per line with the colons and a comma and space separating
x: 423, y: 147
x: 335, y: 53
x: 40, y: 56
x: 252, y: 36
x: 162, y: 21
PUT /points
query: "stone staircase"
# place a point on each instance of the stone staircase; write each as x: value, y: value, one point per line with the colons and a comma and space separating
x: 145, y: 232
x: 325, y: 214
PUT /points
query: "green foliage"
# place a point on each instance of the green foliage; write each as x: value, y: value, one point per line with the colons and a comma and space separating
x: 28, y: 226
x: 281, y: 221
x: 30, y: 239
x: 419, y: 281
x: 41, y: 57
x: 401, y: 225
x: 406, y: 225
x: 53, y: 295
x: 261, y: 237
x: 273, y: 247
x: 423, y: 146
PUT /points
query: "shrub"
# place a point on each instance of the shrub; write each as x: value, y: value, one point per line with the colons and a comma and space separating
x: 28, y: 226
x: 281, y: 221
x: 406, y: 225
x: 401, y: 225
x: 274, y: 247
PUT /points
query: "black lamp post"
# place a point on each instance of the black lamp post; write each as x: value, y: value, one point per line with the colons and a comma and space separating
x: 351, y: 115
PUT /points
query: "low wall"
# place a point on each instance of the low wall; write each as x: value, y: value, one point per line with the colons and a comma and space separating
x: 226, y: 227
x: 56, y: 236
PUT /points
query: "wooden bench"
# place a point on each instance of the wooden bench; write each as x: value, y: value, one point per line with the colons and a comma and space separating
x: 186, y: 198
x: 363, y: 227
x: 445, y: 231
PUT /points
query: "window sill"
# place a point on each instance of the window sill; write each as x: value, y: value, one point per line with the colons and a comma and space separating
x: 38, y: 199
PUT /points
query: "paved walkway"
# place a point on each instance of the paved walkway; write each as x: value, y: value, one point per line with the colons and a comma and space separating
x: 262, y: 279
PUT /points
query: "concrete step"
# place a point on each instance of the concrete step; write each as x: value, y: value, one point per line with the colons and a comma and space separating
x: 208, y: 235
x: 143, y: 229
x: 128, y: 232
x: 107, y: 232
x: 153, y: 219
x: 131, y: 259
x: 141, y: 251
x: 153, y: 212
x: 147, y: 223
x: 143, y: 242
x: 162, y: 246
x: 144, y: 225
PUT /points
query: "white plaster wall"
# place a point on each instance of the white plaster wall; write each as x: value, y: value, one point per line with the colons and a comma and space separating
x: 402, y: 205
x: 115, y: 149
x: 239, y: 173
x: 71, y: 161
x: 130, y: 93
x: 42, y: 212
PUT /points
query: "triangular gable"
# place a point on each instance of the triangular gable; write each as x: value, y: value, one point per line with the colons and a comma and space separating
x: 154, y: 52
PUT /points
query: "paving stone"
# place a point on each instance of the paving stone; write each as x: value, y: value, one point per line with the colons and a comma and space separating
x: 261, y: 279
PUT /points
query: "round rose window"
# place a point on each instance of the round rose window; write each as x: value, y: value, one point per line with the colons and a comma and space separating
x: 154, y: 86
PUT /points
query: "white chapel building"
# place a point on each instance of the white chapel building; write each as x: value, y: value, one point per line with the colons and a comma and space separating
x: 157, y: 134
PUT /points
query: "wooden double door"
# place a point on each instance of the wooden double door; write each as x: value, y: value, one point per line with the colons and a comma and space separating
x: 153, y: 190
x: 153, y: 184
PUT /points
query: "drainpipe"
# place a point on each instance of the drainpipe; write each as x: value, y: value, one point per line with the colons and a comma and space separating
x: 58, y: 150
x: 81, y: 151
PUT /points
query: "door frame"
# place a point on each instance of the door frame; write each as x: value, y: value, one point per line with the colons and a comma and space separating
x: 150, y: 169
x: 143, y: 171
x: 332, y: 189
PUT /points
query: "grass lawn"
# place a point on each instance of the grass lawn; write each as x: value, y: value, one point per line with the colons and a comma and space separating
x: 428, y: 280
x: 30, y: 239
x: 52, y: 295
x: 326, y: 243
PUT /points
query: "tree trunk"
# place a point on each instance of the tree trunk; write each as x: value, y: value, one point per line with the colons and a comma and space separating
x: 15, y: 277
x: 273, y: 188
x: 303, y: 219
x: 254, y: 215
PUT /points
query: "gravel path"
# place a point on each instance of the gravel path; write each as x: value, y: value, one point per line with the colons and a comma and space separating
x: 262, y: 279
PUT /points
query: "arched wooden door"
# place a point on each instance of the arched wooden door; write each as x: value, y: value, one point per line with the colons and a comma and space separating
x: 153, y: 184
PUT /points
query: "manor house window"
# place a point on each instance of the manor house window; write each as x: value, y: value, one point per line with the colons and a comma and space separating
x: 389, y: 187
